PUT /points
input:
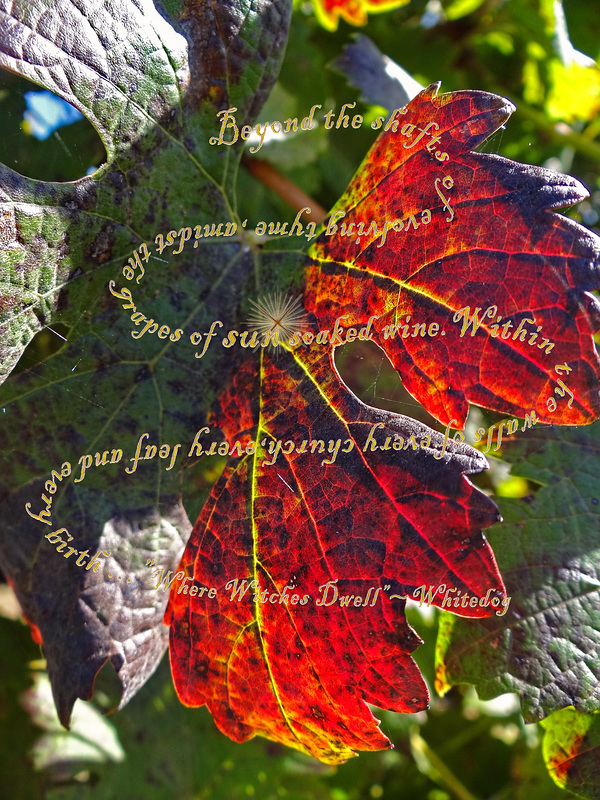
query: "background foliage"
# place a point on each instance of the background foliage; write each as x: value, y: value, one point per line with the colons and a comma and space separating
x: 461, y: 747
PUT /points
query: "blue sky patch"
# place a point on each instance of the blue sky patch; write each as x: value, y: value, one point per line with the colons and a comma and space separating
x: 46, y: 112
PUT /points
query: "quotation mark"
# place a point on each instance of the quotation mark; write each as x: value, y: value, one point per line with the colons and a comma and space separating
x: 396, y: 596
x: 149, y: 563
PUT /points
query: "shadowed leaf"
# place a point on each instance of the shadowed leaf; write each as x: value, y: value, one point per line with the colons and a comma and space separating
x: 152, y: 89
x: 546, y: 646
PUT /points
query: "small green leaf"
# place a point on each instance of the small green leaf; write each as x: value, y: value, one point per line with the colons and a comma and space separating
x: 572, y: 751
x: 460, y: 8
x: 91, y: 738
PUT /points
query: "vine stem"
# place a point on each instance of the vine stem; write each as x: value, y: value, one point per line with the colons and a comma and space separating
x: 429, y: 762
x: 579, y: 142
x: 288, y: 191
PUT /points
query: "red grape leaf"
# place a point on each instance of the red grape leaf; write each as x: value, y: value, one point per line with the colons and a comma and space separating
x: 491, y: 241
x: 386, y: 518
x: 353, y: 11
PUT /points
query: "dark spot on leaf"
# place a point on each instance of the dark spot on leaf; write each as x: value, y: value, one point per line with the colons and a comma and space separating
x: 83, y: 195
x: 142, y: 374
x: 100, y: 250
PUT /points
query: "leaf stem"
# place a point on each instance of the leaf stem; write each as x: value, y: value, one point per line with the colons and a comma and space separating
x: 432, y: 765
x: 288, y: 191
x: 579, y: 142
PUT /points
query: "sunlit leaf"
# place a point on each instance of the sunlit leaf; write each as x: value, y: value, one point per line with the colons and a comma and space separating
x: 355, y: 12
x: 474, y: 236
x: 273, y: 651
x: 572, y: 751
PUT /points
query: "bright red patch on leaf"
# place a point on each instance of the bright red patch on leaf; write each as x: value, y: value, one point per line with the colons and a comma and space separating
x: 353, y: 11
x: 36, y: 634
x: 561, y: 761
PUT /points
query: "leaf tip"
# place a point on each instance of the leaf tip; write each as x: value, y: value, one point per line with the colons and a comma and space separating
x: 431, y: 91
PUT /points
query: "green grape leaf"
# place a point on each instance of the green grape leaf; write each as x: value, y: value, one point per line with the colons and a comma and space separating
x: 545, y: 647
x: 571, y: 749
x: 152, y: 87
